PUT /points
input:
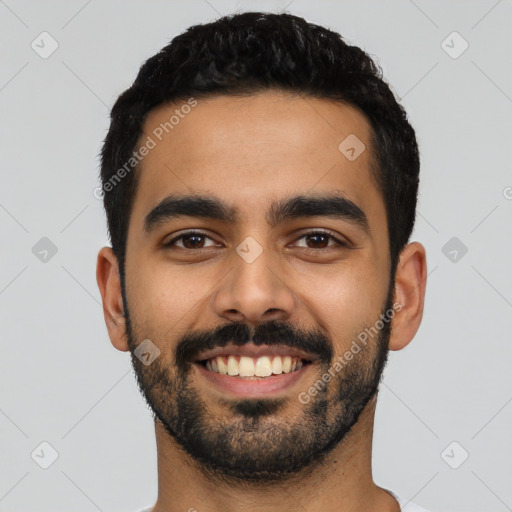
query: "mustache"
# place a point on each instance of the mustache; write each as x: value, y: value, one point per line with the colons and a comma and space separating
x: 239, y: 334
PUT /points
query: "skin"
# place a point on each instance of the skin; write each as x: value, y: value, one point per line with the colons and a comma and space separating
x: 249, y: 152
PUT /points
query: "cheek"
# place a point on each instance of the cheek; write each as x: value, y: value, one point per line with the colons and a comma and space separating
x: 161, y: 296
x: 346, y: 302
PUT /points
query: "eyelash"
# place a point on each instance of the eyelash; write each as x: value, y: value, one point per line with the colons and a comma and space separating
x: 309, y: 233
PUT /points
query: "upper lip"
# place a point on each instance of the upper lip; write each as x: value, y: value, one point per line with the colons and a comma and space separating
x: 251, y: 350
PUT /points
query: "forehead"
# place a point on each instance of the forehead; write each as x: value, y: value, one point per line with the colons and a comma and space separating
x: 255, y: 149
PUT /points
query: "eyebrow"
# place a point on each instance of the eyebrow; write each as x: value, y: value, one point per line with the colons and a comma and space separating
x: 334, y: 206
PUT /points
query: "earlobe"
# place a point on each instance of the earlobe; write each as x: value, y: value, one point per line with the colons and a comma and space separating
x: 410, y: 285
x: 109, y: 284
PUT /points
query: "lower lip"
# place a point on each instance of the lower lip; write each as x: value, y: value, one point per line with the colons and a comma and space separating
x: 249, y: 388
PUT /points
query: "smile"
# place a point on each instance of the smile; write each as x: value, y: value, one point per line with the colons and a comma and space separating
x: 252, y: 371
x: 261, y: 367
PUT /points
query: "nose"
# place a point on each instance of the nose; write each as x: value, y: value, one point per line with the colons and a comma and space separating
x: 254, y: 290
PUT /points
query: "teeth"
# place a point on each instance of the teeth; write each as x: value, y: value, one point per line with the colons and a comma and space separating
x: 232, y: 366
x: 263, y: 367
x: 254, y: 367
x: 223, y: 367
x: 277, y: 366
x: 246, y: 367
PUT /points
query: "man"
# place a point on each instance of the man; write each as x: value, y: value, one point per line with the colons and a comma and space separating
x: 260, y: 185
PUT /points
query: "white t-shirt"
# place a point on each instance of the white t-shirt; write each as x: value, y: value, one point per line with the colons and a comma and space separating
x: 404, y: 504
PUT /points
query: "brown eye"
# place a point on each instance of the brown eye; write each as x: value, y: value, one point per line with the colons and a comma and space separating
x: 320, y: 240
x: 317, y: 240
x: 190, y: 240
x: 193, y: 241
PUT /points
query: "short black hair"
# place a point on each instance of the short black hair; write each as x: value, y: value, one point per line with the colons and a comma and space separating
x: 250, y: 53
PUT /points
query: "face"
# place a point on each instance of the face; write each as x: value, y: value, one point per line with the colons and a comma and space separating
x: 257, y: 254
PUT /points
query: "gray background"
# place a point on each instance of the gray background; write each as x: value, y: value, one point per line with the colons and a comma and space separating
x: 62, y: 382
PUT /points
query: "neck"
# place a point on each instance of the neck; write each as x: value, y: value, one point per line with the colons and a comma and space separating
x: 345, y: 478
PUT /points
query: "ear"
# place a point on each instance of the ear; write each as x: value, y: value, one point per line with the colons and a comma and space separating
x: 410, y: 285
x: 109, y: 283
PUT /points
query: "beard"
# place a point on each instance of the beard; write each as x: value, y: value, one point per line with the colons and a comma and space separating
x: 256, y: 440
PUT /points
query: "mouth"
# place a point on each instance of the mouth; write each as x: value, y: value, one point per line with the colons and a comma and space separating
x: 253, y: 368
x: 252, y: 371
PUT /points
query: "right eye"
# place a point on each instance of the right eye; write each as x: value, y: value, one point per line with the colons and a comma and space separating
x: 190, y: 240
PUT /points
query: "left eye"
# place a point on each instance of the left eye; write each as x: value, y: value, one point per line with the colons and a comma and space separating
x: 320, y: 237
x: 196, y: 240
